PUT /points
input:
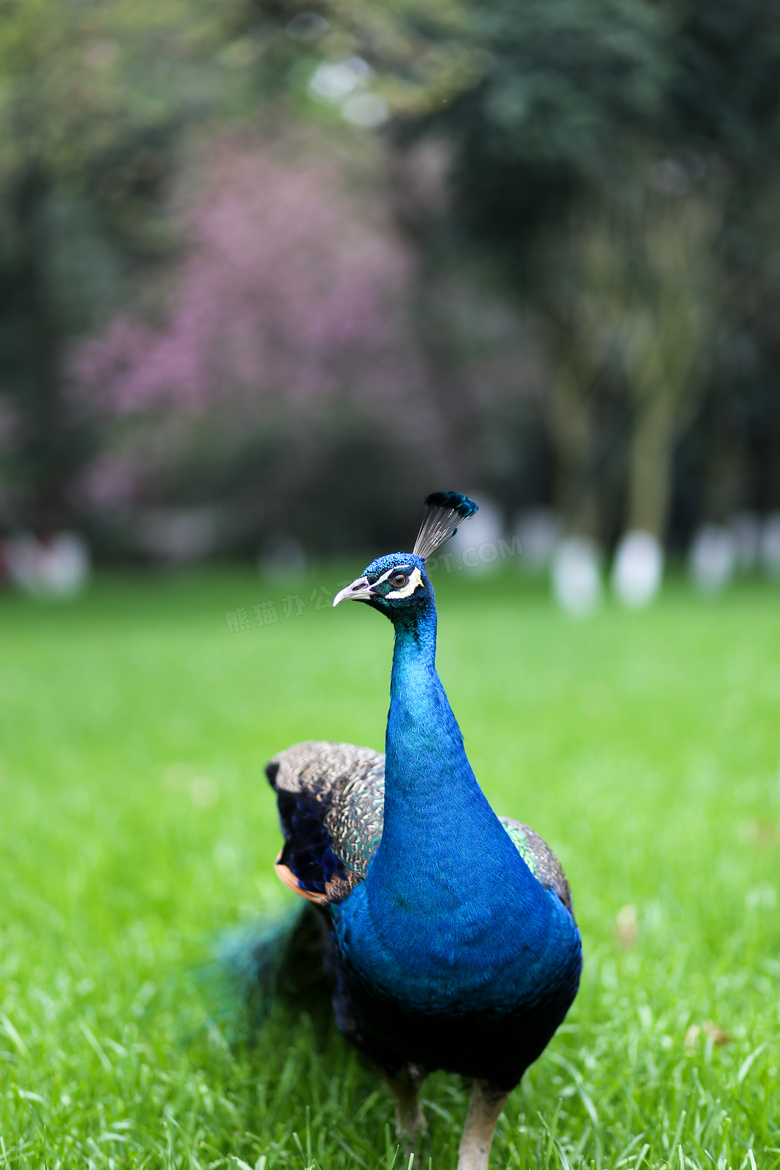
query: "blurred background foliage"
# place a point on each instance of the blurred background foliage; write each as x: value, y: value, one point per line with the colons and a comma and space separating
x: 271, y: 271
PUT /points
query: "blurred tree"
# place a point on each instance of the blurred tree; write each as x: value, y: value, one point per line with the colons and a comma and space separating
x: 650, y: 266
x: 91, y: 95
x: 415, y: 54
x: 610, y: 161
x: 285, y: 327
x: 611, y: 165
x: 354, y: 63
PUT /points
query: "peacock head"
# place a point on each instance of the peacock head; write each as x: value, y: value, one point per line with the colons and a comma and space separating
x: 397, y: 584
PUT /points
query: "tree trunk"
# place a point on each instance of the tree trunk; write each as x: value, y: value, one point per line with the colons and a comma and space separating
x: 45, y: 455
x: 573, y: 436
x: 650, y: 465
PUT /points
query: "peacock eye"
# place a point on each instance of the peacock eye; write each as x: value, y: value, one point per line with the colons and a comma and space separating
x: 398, y: 580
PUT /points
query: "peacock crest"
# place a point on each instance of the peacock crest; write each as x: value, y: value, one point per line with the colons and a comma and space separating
x: 444, y: 512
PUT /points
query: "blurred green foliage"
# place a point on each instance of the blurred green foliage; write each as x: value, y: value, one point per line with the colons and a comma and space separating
x: 587, y: 195
x: 618, y: 163
x: 94, y: 100
x: 613, y: 168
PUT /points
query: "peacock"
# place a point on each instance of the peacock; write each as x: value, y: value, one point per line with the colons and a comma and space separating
x: 447, y: 932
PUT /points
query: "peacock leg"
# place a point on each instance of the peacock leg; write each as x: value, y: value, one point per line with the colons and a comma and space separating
x: 405, y: 1086
x: 484, y: 1111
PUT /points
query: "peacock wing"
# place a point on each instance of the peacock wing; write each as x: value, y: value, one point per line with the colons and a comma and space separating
x: 540, y: 859
x: 330, y: 798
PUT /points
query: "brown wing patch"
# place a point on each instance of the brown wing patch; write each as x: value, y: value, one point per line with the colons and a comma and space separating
x: 331, y: 800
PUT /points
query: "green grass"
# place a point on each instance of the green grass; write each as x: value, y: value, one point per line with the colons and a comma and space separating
x: 136, y: 825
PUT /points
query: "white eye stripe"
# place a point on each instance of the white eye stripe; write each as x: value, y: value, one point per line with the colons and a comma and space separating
x: 414, y: 583
x: 389, y: 572
x: 384, y: 577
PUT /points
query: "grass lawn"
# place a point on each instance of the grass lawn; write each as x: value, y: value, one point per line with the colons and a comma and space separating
x: 136, y: 825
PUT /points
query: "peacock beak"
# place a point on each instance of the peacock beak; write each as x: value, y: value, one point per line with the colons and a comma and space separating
x: 359, y: 590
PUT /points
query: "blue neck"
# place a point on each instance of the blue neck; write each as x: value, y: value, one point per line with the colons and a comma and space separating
x: 438, y: 824
x: 449, y: 918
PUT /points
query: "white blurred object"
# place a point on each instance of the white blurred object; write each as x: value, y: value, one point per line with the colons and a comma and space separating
x: 538, y: 532
x: 281, y: 557
x: 576, y: 575
x: 712, y: 558
x: 638, y: 568
x: 180, y: 535
x: 57, y: 566
x: 366, y: 110
x: 346, y: 83
x: 477, y: 545
x: 746, y: 530
x: 769, y: 547
x: 334, y: 81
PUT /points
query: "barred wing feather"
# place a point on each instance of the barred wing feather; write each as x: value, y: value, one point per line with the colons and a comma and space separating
x: 330, y: 798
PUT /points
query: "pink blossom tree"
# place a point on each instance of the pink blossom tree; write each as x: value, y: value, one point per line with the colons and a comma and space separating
x: 291, y: 289
x: 289, y: 302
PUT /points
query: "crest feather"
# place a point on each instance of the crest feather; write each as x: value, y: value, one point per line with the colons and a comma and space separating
x: 444, y: 512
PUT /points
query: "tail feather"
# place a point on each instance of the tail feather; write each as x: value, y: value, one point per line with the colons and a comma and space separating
x: 276, y: 962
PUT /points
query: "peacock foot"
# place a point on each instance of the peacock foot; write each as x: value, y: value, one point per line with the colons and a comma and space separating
x: 409, y: 1118
x: 485, y: 1108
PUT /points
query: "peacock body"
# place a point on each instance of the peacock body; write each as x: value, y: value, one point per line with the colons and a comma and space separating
x: 448, y: 932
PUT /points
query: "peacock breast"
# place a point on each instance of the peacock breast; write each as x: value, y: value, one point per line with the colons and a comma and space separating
x: 426, y: 994
x: 462, y: 959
